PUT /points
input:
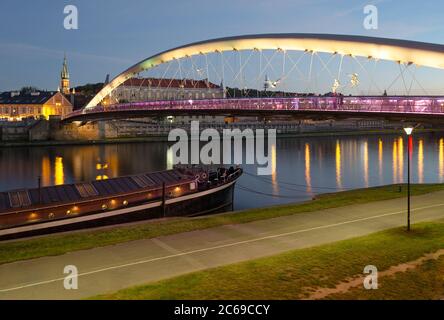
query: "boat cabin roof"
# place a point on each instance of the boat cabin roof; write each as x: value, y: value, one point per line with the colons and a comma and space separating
x: 17, y: 199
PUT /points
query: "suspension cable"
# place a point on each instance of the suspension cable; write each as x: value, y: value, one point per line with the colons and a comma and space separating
x: 396, y: 79
x: 268, y: 64
x: 416, y: 80
x: 325, y: 65
x: 368, y: 74
x: 295, y: 66
x: 403, y: 79
x: 163, y: 75
x: 207, y: 70
x: 340, y: 68
x: 223, y: 69
x: 309, y: 74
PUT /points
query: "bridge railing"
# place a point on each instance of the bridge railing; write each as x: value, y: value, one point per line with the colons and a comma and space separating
x: 419, y: 105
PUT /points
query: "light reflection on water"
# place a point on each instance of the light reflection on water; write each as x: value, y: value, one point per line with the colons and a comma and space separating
x: 301, y: 167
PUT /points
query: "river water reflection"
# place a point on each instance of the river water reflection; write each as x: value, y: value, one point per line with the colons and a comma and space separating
x: 301, y: 167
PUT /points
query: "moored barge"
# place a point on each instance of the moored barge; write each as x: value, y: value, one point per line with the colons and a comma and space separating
x: 182, y: 191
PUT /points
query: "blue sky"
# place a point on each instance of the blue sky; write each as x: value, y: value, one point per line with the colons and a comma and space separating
x: 114, y: 34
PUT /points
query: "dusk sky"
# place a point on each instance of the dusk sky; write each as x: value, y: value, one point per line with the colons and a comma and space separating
x: 115, y: 34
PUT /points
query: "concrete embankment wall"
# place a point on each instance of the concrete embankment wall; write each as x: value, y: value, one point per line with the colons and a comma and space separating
x: 90, y: 131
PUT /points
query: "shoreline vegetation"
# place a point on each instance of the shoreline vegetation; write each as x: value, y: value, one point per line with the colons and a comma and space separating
x: 164, y: 138
x: 58, y: 244
x: 410, y: 266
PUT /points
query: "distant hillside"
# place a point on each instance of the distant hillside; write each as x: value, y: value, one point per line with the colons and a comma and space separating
x: 89, y: 89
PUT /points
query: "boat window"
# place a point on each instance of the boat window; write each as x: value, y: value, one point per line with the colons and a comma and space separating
x: 86, y: 190
x: 19, y: 199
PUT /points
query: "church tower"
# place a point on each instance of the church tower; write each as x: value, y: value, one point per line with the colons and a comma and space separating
x: 64, y: 82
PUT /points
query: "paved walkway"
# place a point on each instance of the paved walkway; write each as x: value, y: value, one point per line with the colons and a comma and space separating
x: 108, y: 269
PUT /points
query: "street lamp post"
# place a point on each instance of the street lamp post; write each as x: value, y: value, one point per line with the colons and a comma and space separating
x: 408, y: 131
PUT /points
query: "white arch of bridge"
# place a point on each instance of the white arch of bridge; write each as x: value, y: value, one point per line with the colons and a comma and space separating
x: 402, y: 51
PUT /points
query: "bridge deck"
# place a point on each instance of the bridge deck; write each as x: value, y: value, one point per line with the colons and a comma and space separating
x: 402, y: 105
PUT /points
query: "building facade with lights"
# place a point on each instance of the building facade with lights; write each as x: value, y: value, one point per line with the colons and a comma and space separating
x: 147, y: 89
x: 15, y: 106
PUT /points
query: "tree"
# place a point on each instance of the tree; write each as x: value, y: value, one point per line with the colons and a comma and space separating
x: 28, y: 90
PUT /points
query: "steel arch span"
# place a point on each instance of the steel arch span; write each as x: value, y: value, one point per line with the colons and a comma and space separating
x: 402, y: 51
x: 403, y: 108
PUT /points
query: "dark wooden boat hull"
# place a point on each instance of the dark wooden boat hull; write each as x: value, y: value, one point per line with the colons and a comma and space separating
x: 212, y: 200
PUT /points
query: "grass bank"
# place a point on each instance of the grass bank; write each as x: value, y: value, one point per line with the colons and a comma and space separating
x: 298, y: 273
x: 62, y: 243
x: 425, y: 282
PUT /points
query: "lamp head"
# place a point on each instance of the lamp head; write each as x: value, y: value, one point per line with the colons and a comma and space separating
x: 408, y: 130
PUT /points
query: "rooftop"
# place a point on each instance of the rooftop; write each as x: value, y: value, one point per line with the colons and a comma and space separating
x: 50, y: 195
x: 13, y: 97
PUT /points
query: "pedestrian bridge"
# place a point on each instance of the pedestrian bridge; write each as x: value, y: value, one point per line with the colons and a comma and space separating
x: 249, y: 62
x: 418, y: 109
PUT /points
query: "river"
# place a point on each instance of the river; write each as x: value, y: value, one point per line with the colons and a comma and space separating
x: 301, y: 166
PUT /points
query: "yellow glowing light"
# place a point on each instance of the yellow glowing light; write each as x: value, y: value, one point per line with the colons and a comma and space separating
x: 68, y: 212
x: 114, y: 164
x: 395, y: 161
x: 46, y: 171
x: 46, y: 112
x: 33, y: 216
x: 125, y: 202
x: 307, y: 167
x: 338, y: 165
x: 401, y: 159
x: 59, y: 176
x: 74, y: 210
x: 380, y: 158
x: 421, y: 161
x: 104, y: 207
x: 365, y: 162
x: 441, y: 159
x: 51, y: 215
x: 274, y: 182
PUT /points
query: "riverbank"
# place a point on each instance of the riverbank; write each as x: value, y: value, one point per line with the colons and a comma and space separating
x: 410, y: 266
x: 62, y: 243
x: 164, y: 138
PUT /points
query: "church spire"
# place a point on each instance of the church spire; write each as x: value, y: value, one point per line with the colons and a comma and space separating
x: 64, y: 75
